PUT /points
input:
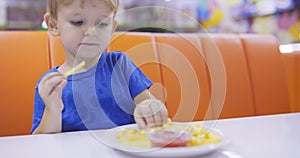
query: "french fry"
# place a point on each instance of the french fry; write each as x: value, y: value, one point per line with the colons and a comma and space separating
x: 75, y: 69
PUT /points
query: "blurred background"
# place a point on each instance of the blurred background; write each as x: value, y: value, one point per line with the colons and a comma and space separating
x: 278, y: 17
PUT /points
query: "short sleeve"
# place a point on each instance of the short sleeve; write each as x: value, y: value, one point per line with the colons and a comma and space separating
x: 138, y: 81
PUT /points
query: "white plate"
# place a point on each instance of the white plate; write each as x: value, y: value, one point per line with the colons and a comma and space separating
x: 109, y: 138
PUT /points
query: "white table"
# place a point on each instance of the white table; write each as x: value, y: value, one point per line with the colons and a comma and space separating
x: 272, y: 136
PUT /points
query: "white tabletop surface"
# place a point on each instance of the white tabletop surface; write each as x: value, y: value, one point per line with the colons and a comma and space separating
x: 271, y: 136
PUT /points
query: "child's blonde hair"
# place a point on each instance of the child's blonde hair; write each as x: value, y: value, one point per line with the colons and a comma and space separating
x: 53, y: 4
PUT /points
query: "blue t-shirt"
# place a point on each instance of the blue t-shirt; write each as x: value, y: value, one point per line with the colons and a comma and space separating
x: 99, y: 98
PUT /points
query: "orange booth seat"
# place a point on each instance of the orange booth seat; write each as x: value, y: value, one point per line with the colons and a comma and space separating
x: 24, y: 59
x: 292, y: 66
x: 197, y: 76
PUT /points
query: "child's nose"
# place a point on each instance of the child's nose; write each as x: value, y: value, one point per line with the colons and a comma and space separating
x: 90, y: 31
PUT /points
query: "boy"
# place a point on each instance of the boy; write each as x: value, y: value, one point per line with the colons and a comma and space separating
x: 107, y: 91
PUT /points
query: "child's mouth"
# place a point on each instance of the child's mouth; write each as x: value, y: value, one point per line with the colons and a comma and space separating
x: 89, y: 44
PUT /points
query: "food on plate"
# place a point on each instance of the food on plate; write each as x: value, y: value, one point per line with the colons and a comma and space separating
x: 202, y: 136
x: 169, y: 137
x: 172, y: 135
x: 134, y: 138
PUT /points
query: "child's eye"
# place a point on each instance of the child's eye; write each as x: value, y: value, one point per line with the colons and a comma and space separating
x: 101, y: 24
x: 77, y: 23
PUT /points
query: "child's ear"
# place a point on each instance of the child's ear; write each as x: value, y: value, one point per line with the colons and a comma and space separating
x: 115, y: 25
x: 51, y: 24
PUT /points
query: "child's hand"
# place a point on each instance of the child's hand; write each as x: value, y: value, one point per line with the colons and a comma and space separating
x: 50, y: 90
x: 150, y: 113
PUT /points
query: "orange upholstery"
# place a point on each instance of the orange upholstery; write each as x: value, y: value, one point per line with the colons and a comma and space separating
x: 56, y: 51
x: 24, y: 59
x: 239, y: 97
x: 296, y: 107
x: 185, y: 76
x: 292, y: 63
x: 267, y: 74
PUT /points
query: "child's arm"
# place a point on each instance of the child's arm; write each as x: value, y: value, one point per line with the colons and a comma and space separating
x: 149, y: 111
x: 50, y: 90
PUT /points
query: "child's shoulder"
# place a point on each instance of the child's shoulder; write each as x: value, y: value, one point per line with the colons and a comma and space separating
x: 46, y: 73
x: 115, y: 56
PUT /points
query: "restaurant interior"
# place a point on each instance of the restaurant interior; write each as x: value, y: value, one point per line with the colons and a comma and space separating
x: 277, y: 17
x: 228, y: 72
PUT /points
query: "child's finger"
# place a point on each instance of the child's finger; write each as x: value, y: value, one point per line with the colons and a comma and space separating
x: 164, y: 115
x: 158, y: 119
x: 149, y: 118
x: 51, y: 75
x: 51, y: 84
x: 141, y: 123
x: 60, y: 86
x: 156, y: 110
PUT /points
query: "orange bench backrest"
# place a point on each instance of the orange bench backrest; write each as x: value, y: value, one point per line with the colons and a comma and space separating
x: 185, y: 76
x: 24, y: 59
x: 55, y: 50
x: 292, y: 66
x: 238, y: 96
x: 267, y: 74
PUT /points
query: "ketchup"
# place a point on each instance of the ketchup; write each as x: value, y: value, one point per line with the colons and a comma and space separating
x: 169, y: 138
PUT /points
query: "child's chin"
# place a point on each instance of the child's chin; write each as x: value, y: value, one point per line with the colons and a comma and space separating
x: 91, y: 55
x: 89, y: 51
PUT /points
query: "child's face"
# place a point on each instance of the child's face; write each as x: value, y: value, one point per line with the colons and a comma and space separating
x: 85, y: 31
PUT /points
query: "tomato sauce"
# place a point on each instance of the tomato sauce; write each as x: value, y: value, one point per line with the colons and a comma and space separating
x: 169, y: 138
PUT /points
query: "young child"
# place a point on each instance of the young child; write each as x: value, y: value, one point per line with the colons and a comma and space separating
x: 108, y: 91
